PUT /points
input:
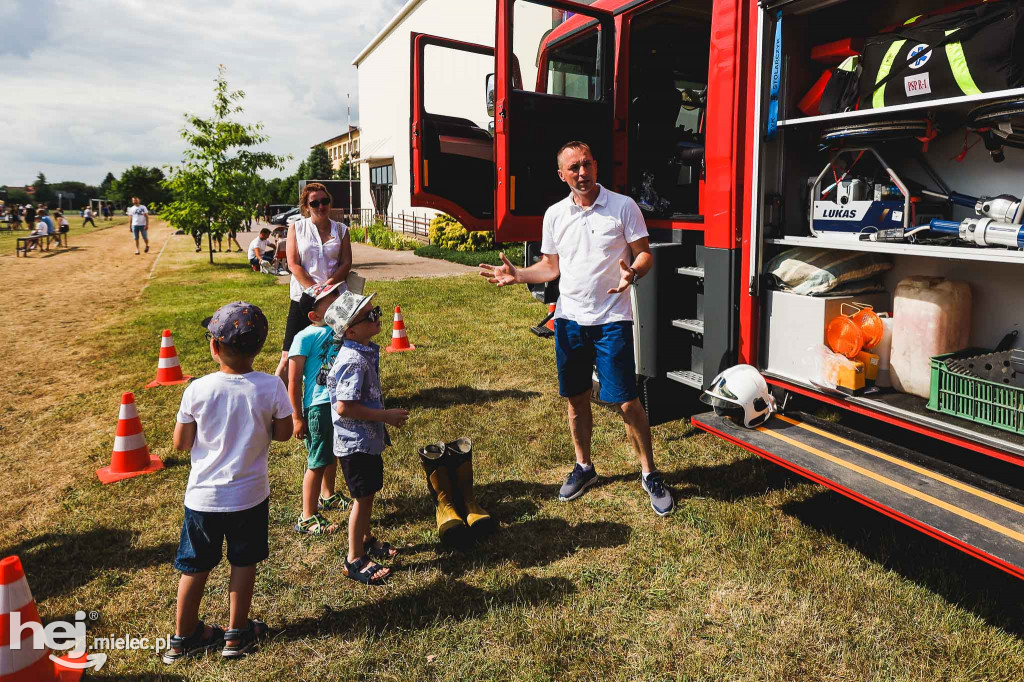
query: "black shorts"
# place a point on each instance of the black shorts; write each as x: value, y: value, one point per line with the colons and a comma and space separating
x: 364, y: 473
x: 203, y: 535
x: 296, y: 323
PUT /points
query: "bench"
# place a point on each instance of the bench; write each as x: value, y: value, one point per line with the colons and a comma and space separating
x: 23, y: 243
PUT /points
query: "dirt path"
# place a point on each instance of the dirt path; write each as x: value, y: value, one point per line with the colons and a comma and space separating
x: 55, y: 300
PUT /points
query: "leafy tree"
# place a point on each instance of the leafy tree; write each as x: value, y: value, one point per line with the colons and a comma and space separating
x: 318, y: 165
x: 18, y: 196
x: 75, y: 194
x: 44, y: 193
x: 347, y: 170
x: 211, y: 183
x: 137, y: 181
x: 108, y: 182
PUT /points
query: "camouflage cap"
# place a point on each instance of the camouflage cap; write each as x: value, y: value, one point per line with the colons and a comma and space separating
x: 341, y: 313
x: 238, y: 324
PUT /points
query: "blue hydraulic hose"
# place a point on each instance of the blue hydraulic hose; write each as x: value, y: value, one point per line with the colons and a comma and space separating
x: 945, y: 226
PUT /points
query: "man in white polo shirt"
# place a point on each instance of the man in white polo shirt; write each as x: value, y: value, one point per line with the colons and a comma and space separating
x: 596, y: 241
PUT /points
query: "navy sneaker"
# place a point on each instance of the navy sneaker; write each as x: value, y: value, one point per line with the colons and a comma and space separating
x: 579, y: 480
x: 661, y: 499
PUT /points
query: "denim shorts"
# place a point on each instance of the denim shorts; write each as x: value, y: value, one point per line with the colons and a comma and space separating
x: 609, y: 347
x: 203, y: 535
x: 140, y: 229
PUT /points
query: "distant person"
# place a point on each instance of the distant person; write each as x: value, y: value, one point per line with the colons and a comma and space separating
x: 259, y: 211
x: 106, y: 211
x: 15, y: 217
x: 232, y: 237
x: 30, y: 217
x: 227, y: 420
x: 140, y: 223
x: 319, y: 252
x: 46, y: 225
x: 62, y: 228
x: 87, y: 218
x: 261, y: 252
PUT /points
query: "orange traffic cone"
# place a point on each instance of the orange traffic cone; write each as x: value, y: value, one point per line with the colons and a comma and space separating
x: 168, y: 371
x: 26, y: 663
x: 399, y: 339
x: 131, y: 455
x: 551, y: 311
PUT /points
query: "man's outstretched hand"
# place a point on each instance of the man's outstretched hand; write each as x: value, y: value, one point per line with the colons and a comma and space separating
x: 500, y: 274
x: 625, y: 278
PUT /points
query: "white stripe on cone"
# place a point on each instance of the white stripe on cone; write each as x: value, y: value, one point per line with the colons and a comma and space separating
x: 399, y: 334
x: 14, y: 660
x: 128, y: 411
x: 129, y: 443
x: 165, y: 363
x: 166, y: 341
x: 15, y: 595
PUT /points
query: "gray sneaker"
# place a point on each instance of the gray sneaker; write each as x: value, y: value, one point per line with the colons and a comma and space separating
x: 661, y: 499
x: 579, y: 480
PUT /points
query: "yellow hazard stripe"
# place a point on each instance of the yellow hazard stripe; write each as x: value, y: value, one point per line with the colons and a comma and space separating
x: 878, y: 100
x: 941, y: 504
x: 958, y: 63
x: 994, y: 499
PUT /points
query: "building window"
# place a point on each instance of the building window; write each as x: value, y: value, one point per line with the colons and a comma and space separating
x: 381, y: 180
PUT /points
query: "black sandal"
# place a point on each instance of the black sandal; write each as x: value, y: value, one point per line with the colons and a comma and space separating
x: 194, y: 644
x: 246, y: 639
x: 381, y: 551
x: 361, y: 571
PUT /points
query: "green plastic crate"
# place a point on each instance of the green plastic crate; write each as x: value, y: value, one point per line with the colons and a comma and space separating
x: 978, y: 400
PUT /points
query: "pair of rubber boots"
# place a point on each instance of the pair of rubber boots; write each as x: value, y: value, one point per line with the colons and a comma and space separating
x: 449, y: 469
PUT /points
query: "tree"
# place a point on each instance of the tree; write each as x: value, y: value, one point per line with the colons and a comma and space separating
x: 346, y: 171
x: 44, y: 193
x: 318, y: 165
x: 74, y: 194
x: 104, y: 188
x: 137, y: 181
x: 211, y: 183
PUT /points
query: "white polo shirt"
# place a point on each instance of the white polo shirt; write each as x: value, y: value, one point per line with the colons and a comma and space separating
x: 589, y: 243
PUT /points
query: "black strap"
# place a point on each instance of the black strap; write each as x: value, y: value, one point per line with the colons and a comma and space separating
x: 956, y: 36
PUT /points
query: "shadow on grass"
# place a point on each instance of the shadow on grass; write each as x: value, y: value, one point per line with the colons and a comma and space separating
x: 143, y: 677
x: 231, y: 265
x: 445, y: 396
x: 747, y: 477
x: 59, y: 563
x: 959, y: 578
x: 444, y: 599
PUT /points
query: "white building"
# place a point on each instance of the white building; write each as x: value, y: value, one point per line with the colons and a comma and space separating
x: 454, y: 82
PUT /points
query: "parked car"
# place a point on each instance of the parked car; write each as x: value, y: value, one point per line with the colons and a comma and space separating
x: 282, y: 218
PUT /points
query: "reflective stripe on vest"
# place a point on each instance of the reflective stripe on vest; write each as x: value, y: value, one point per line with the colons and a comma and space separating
x: 958, y: 63
x: 878, y: 101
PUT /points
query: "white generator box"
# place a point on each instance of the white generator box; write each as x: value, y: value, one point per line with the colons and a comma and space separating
x: 797, y: 323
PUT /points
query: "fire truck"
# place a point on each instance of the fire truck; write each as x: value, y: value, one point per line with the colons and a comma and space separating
x: 707, y: 113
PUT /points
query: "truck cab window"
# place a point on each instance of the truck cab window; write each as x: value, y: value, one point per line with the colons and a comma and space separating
x: 573, y: 69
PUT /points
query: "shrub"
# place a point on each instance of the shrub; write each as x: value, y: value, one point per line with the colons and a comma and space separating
x: 383, y: 237
x: 448, y: 233
x: 514, y: 252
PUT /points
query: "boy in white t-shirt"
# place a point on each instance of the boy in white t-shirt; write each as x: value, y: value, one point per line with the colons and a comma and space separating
x: 227, y: 419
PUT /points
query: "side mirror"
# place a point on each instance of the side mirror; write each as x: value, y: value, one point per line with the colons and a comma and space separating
x: 489, y: 94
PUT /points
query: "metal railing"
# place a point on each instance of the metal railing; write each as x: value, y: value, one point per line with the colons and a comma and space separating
x: 406, y: 222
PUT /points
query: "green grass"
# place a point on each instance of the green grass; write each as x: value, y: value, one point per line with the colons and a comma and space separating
x: 9, y: 237
x: 514, y: 253
x: 757, y: 576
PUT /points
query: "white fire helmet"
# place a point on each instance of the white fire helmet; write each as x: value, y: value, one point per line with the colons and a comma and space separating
x: 741, y: 392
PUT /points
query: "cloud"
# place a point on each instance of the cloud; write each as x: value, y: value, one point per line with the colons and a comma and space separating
x: 99, y: 86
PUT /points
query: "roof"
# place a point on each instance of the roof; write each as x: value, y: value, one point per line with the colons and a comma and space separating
x: 351, y: 130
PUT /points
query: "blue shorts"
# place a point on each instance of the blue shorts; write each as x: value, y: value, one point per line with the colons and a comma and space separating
x: 203, y: 535
x: 140, y: 229
x: 609, y: 347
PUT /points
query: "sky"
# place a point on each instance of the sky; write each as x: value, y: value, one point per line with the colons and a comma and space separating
x: 91, y: 86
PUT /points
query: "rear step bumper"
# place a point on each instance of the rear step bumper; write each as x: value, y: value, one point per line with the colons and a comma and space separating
x: 882, y: 476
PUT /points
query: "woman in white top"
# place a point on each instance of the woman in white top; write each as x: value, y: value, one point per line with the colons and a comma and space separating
x: 319, y: 250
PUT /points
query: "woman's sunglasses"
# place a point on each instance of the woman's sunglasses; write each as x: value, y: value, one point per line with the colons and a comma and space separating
x: 372, y: 316
x: 326, y: 201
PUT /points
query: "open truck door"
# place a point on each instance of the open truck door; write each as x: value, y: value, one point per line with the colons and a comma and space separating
x: 452, y: 157
x: 573, y: 101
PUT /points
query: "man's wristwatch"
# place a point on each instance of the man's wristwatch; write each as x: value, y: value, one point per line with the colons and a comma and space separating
x: 636, y: 276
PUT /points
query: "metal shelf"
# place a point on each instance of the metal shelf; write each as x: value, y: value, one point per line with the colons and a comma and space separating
x: 696, y: 326
x: 689, y: 378
x: 969, y: 100
x: 996, y: 255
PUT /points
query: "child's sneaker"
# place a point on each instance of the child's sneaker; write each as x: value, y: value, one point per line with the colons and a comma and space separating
x: 244, y: 640
x: 335, y: 501
x: 314, y: 525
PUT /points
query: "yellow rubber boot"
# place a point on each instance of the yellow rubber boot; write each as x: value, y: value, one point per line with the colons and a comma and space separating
x: 450, y: 526
x: 460, y: 463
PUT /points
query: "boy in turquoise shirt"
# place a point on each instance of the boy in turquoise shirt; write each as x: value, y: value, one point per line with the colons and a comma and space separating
x: 309, y: 359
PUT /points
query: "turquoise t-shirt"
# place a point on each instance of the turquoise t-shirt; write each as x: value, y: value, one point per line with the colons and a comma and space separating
x: 316, y: 344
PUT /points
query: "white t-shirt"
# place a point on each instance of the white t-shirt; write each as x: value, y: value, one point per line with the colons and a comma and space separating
x: 88, y: 213
x: 138, y: 214
x: 318, y: 258
x: 257, y: 247
x: 589, y: 243
x: 234, y: 416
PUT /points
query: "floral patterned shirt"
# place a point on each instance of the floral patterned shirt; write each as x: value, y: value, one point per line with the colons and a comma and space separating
x: 356, y: 376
